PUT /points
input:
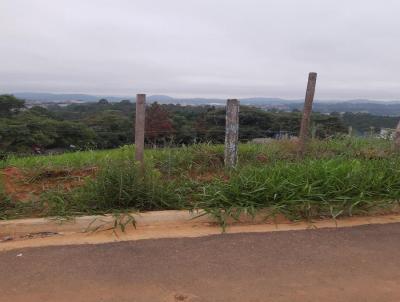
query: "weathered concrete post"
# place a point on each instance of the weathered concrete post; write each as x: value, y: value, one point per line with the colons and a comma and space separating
x: 231, y: 133
x: 305, y: 121
x: 139, y: 128
x: 397, y: 137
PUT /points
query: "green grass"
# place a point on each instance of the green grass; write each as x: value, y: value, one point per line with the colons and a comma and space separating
x: 308, y: 189
x: 68, y: 160
x: 209, y: 155
x: 336, y: 177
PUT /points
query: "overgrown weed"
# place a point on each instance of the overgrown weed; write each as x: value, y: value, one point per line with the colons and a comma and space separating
x: 336, y: 177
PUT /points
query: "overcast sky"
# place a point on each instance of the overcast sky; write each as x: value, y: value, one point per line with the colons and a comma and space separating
x: 221, y: 48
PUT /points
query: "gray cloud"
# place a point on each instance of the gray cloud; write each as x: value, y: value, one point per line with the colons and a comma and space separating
x: 224, y: 48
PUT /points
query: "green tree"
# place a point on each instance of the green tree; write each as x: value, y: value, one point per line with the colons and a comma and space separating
x: 112, y: 128
x: 10, y: 105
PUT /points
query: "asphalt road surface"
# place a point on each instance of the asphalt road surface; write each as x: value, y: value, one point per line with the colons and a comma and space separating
x: 348, y: 264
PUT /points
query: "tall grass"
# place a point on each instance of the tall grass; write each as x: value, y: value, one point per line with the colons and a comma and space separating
x: 119, y: 185
x: 205, y: 156
x: 307, y: 189
x: 67, y: 160
x: 336, y: 177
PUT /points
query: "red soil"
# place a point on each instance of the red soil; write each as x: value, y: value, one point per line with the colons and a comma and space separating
x: 27, y: 186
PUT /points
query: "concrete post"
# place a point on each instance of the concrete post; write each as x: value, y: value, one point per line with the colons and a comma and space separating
x: 139, y: 128
x: 231, y: 133
x: 305, y: 121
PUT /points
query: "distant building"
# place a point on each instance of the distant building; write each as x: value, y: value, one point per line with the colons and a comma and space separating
x: 386, y: 133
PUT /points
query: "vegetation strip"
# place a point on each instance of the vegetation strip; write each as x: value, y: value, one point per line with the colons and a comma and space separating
x: 337, y: 177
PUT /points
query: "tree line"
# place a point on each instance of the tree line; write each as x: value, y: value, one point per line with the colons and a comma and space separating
x: 103, y: 125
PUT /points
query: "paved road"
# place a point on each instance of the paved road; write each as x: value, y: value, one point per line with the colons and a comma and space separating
x: 352, y: 264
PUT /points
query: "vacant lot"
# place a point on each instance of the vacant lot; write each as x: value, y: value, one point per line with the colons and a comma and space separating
x: 336, y: 177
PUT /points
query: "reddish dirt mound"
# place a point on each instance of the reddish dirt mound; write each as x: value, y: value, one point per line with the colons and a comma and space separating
x: 262, y: 158
x: 27, y: 186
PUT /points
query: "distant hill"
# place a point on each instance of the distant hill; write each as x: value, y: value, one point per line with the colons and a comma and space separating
x: 386, y: 108
x: 163, y: 99
x: 62, y: 97
x: 375, y: 108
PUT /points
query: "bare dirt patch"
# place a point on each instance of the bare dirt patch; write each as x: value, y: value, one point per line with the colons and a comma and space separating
x: 22, y: 185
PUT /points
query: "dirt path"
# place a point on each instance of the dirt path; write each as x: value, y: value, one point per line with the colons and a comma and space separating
x: 348, y: 264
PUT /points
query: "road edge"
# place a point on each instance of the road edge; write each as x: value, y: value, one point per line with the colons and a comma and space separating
x: 21, y: 233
